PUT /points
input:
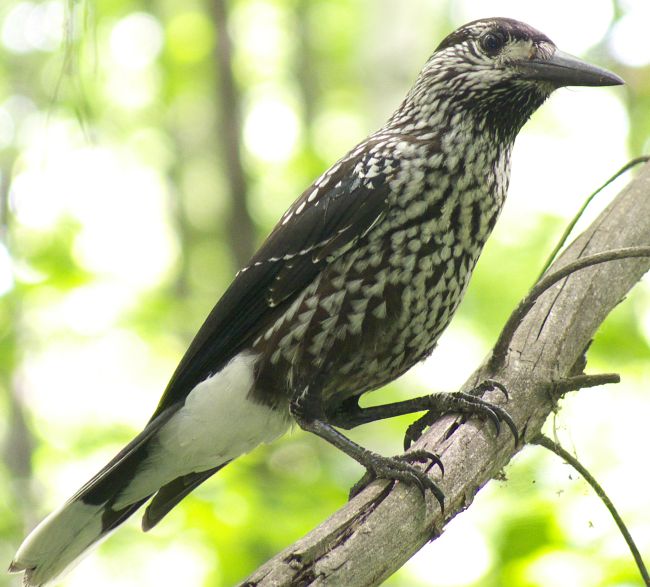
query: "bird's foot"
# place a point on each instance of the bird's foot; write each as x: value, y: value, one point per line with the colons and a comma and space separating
x: 401, y: 468
x: 468, y: 403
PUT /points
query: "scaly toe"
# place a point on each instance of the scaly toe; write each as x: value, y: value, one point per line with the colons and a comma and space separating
x: 400, y: 469
x: 415, y: 430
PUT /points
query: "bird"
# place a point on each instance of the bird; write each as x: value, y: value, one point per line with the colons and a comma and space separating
x: 354, y: 285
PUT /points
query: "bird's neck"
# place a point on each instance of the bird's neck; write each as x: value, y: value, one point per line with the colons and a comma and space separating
x: 491, y: 114
x: 466, y: 138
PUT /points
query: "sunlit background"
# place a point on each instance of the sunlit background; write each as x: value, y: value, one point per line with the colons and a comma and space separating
x: 147, y: 146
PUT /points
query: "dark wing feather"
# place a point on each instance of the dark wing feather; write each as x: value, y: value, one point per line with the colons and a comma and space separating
x: 316, y: 229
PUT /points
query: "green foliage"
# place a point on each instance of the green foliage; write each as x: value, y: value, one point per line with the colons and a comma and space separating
x: 115, y: 210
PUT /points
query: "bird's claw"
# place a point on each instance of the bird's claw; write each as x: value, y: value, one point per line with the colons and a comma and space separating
x: 415, y: 430
x: 489, y: 385
x: 470, y: 403
x: 422, y: 456
x: 400, y: 468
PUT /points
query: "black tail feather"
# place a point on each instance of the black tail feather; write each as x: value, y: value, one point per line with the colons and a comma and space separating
x: 171, y: 494
x: 108, y: 482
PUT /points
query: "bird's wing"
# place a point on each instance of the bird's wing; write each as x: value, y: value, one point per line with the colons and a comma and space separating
x: 329, y: 218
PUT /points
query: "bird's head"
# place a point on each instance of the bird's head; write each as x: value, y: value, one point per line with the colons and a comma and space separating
x: 497, y: 50
x: 502, y: 70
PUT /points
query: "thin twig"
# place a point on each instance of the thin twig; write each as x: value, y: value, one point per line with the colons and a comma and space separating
x: 576, y: 382
x: 574, y: 221
x: 548, y: 444
x: 501, y: 346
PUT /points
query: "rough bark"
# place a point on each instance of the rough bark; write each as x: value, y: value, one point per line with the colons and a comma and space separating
x: 373, y: 535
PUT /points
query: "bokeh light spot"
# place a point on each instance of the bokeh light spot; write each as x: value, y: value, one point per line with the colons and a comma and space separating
x: 271, y: 129
x: 29, y: 26
x: 136, y: 41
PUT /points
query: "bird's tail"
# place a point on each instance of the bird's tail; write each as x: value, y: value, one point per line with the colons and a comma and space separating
x: 100, y: 506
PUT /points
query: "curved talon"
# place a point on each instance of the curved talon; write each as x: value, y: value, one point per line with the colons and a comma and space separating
x: 415, y: 430
x: 496, y: 413
x: 500, y: 414
x: 490, y: 384
x: 361, y: 484
x: 510, y: 423
x: 422, y: 456
x: 490, y: 413
x: 482, y: 408
x: 400, y: 469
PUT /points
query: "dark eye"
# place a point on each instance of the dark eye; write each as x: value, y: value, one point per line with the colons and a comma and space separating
x: 492, y: 43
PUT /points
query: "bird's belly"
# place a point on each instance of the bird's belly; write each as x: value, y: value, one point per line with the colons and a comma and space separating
x: 424, y: 299
x: 363, y: 322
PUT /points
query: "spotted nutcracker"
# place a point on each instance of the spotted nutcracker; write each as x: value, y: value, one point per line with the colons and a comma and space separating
x: 354, y: 285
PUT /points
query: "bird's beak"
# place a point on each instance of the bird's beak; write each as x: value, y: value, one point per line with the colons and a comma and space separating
x: 563, y: 69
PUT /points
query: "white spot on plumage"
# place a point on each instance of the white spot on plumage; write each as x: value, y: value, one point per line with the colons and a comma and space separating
x: 317, y: 344
x: 380, y: 311
x: 359, y: 305
x: 414, y: 245
x: 398, y: 237
x: 339, y: 281
x: 354, y: 285
x: 305, y: 317
x: 376, y: 289
x: 355, y: 322
x: 332, y: 170
x: 328, y: 323
x: 332, y: 303
x: 416, y: 209
x: 412, y: 232
x: 373, y: 171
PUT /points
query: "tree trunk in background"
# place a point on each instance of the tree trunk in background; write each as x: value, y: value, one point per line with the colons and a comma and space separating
x: 18, y: 442
x: 240, y: 228
x: 306, y: 72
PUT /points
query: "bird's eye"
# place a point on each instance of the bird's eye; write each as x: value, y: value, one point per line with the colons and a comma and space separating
x: 492, y: 43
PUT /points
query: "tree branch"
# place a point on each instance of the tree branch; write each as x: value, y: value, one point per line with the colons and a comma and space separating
x: 500, y: 349
x: 373, y: 535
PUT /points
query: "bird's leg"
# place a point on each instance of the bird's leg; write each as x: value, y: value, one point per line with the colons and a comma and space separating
x: 349, y: 414
x: 306, y: 409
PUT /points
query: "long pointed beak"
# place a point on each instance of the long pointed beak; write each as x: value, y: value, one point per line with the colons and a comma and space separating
x: 563, y: 69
